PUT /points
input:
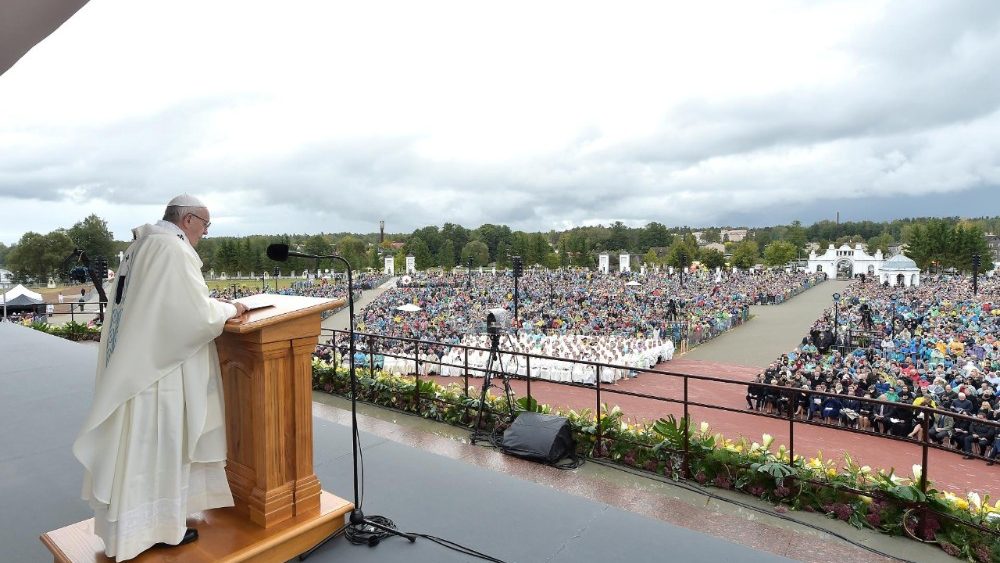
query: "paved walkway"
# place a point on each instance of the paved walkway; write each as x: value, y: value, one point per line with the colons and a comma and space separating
x: 340, y: 320
x: 774, y: 329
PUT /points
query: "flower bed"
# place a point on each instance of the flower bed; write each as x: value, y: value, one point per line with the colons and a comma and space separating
x: 963, y: 526
x: 71, y: 331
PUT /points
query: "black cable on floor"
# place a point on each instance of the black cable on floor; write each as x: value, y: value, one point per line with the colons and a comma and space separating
x: 747, y: 506
x: 363, y: 534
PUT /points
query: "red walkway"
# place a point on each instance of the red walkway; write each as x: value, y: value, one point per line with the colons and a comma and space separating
x: 946, y: 470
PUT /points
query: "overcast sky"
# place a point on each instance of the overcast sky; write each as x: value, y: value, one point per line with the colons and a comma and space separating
x: 328, y: 116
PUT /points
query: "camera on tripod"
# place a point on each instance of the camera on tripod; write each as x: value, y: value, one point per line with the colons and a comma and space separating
x: 497, y: 321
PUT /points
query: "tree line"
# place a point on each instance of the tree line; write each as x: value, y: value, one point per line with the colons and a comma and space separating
x: 931, y: 242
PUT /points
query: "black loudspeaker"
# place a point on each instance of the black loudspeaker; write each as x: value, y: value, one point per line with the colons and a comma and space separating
x: 539, y: 437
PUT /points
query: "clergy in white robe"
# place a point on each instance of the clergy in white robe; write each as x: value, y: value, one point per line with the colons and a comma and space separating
x: 153, y: 445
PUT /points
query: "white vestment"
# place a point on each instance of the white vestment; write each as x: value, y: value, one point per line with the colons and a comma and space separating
x: 154, y: 443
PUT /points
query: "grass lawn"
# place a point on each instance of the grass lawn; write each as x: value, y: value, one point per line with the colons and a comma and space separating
x: 283, y: 283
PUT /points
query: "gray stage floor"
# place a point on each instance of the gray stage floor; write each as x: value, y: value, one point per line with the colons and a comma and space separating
x: 47, y: 383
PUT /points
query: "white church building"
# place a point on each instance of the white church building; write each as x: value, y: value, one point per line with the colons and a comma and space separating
x: 847, y: 262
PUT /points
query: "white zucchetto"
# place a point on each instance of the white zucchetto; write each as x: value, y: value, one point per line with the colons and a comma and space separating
x: 185, y: 200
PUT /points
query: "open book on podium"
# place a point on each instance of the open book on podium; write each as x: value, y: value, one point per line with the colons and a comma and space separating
x: 280, y: 509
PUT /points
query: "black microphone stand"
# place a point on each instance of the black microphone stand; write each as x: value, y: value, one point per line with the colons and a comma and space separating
x: 357, y: 518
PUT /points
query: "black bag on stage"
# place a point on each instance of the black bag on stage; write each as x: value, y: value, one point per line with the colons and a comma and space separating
x: 539, y: 437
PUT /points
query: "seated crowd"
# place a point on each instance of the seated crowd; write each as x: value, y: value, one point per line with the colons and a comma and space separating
x: 935, y: 345
x: 570, y: 314
x: 327, y: 288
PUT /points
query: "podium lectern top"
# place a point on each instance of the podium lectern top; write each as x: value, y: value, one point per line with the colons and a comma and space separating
x: 285, y: 308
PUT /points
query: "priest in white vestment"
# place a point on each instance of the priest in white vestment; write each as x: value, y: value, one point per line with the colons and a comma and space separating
x: 154, y: 443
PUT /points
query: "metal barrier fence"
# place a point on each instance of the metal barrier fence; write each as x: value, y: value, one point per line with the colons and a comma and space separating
x: 790, y: 398
x: 78, y: 312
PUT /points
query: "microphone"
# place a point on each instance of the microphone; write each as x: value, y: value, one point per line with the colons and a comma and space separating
x: 279, y: 253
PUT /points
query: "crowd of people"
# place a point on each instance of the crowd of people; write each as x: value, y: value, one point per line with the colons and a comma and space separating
x: 327, y: 288
x: 630, y: 320
x: 885, y: 349
x: 575, y: 302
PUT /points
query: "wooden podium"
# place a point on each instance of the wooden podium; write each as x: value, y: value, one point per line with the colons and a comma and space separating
x: 280, y: 509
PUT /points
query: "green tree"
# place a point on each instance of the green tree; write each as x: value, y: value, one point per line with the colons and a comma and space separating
x: 478, y: 252
x: 796, y: 234
x: 503, y: 255
x: 649, y: 258
x: 446, y: 255
x: 36, y: 256
x: 493, y: 236
x: 654, y: 235
x: 226, y: 258
x: 4, y: 250
x: 459, y: 237
x: 417, y: 248
x: 682, y: 252
x: 353, y: 250
x: 619, y: 237
x: 92, y: 236
x: 779, y: 253
x: 881, y: 242
x: 712, y: 258
x: 710, y: 235
x: 745, y: 254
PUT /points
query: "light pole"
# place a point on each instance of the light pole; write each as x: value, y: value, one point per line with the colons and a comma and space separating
x: 683, y: 260
x: 892, y: 317
x: 836, y: 313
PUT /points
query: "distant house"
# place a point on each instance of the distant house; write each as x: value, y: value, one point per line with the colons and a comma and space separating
x: 715, y: 246
x: 994, y: 243
x: 733, y: 235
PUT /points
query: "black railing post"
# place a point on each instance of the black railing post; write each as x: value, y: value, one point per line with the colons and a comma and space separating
x: 416, y: 376
x: 597, y: 451
x: 792, y: 401
x: 925, y: 423
x: 687, y: 431
x: 371, y: 356
x: 527, y: 363
x: 466, y: 376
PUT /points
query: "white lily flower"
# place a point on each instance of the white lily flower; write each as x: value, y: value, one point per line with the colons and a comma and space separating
x: 704, y: 427
x: 768, y: 439
x: 975, y: 502
x: 917, y: 472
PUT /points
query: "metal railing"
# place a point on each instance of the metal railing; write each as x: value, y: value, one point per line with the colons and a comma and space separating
x: 78, y: 312
x: 377, y: 345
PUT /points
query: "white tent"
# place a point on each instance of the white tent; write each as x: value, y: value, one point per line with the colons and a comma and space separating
x: 20, y: 290
x: 409, y: 308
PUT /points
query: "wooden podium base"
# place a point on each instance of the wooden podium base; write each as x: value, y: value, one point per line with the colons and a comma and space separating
x: 223, y: 536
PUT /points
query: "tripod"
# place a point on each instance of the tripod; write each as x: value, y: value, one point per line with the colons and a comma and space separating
x: 494, y: 360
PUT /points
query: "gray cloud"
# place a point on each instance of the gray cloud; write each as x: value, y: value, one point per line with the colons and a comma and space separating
x: 913, y: 129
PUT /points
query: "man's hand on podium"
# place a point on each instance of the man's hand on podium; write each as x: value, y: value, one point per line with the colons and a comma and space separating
x: 241, y: 310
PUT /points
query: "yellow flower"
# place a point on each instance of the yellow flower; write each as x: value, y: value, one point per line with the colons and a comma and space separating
x: 831, y: 472
x: 814, y: 463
